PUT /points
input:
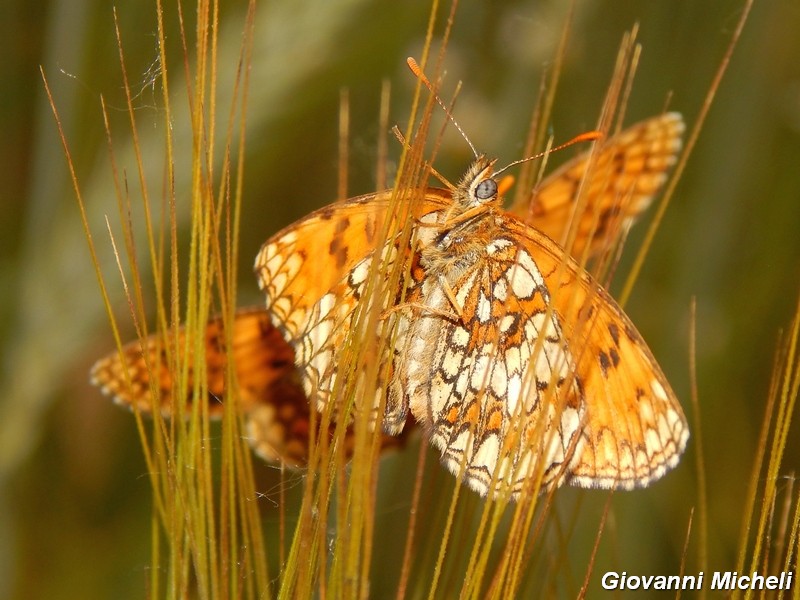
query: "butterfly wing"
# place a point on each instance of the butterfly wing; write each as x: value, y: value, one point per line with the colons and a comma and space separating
x: 629, y: 170
x: 315, y: 274
x: 634, y: 429
x: 268, y: 385
x: 261, y: 356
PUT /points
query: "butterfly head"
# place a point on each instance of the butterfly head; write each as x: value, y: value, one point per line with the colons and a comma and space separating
x: 460, y: 228
x: 478, y: 187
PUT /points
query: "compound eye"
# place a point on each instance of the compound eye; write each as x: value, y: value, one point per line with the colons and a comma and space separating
x: 486, y: 189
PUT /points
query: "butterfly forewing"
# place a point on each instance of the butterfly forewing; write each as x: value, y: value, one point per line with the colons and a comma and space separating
x: 318, y: 273
x: 616, y: 185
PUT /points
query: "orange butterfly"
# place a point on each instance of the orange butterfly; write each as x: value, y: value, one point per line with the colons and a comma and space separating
x: 513, y: 360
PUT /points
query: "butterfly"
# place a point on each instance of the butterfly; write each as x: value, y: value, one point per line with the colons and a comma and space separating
x: 516, y: 364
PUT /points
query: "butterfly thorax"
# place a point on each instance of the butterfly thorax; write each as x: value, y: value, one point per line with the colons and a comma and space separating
x: 463, y: 231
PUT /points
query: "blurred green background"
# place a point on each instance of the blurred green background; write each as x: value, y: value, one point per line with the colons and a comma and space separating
x: 74, y: 498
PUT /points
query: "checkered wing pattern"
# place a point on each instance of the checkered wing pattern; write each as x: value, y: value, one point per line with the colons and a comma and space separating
x: 487, y: 371
x: 519, y: 366
x: 615, y: 186
x: 633, y: 428
x: 319, y: 273
x: 268, y: 385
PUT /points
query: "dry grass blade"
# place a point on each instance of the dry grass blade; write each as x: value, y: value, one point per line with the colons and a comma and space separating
x: 783, y: 396
x: 211, y: 532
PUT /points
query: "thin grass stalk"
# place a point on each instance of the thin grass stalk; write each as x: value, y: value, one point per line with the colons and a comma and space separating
x: 787, y: 397
x: 702, y: 489
x: 411, y: 533
x: 685, y: 552
x: 595, y: 547
x: 779, y: 545
x: 758, y: 463
x: 790, y: 557
x: 252, y: 534
x: 543, y: 109
x: 669, y: 191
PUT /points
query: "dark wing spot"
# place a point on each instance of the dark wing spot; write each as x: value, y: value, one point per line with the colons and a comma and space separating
x: 587, y: 312
x: 613, y: 329
x: 618, y: 161
x: 338, y: 250
x: 606, y: 217
x: 579, y: 384
x: 605, y: 363
x: 279, y: 364
x: 342, y: 225
x: 327, y: 213
x: 614, y: 356
x: 370, y: 229
x: 337, y: 247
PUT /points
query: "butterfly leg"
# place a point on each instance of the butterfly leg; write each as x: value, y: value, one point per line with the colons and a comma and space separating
x: 451, y: 298
x: 423, y: 308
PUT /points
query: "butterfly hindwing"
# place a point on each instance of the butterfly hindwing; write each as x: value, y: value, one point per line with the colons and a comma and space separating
x: 261, y: 356
x: 634, y: 428
x: 268, y: 384
x: 492, y: 384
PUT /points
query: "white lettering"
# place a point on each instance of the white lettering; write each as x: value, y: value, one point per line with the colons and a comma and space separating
x: 731, y: 580
x: 610, y: 580
x: 666, y: 583
x: 722, y: 581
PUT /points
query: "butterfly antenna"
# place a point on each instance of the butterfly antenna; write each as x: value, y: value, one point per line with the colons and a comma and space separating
x: 412, y: 64
x: 402, y: 139
x: 589, y: 136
